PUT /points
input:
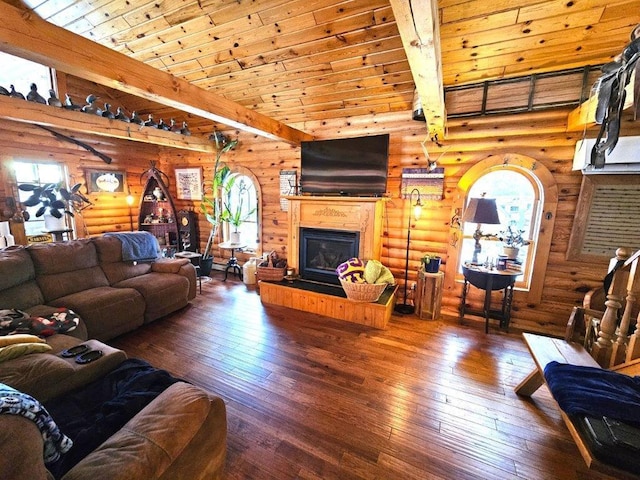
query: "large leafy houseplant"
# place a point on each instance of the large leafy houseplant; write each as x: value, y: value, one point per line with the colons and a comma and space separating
x: 212, y: 206
x: 54, y: 199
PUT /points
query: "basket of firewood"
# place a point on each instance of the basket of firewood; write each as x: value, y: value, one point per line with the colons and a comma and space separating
x: 272, y: 269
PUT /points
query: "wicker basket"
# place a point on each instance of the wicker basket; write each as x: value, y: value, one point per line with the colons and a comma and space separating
x: 273, y: 274
x: 363, y: 292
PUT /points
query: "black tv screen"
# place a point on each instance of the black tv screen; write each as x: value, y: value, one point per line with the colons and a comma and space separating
x: 345, y: 166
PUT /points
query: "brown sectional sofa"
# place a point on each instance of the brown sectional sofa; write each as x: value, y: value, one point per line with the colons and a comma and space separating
x: 181, y: 434
x: 89, y: 277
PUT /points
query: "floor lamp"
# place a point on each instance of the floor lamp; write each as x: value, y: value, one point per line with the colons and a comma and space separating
x: 404, y: 307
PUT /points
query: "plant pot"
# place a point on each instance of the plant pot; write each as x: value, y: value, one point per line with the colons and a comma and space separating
x: 433, y: 265
x: 53, y: 224
x: 234, y: 237
x: 205, y: 266
x: 510, y: 252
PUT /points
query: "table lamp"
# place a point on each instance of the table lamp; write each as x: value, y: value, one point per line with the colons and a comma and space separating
x: 480, y: 210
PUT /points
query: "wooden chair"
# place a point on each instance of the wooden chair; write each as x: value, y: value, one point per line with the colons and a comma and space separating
x: 594, y: 338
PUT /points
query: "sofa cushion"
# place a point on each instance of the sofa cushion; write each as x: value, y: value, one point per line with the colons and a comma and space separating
x: 163, y: 293
x: 18, y: 288
x: 21, y: 449
x: 106, y: 311
x: 66, y: 267
x: 110, y: 258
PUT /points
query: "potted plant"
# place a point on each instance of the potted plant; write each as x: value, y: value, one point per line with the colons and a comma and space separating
x: 512, y: 241
x: 55, y: 201
x: 431, y: 262
x: 233, y: 211
x: 211, y: 206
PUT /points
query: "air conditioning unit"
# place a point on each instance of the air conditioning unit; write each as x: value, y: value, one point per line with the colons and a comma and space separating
x: 625, y: 158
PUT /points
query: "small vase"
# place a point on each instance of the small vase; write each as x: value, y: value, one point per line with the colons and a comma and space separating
x: 510, y: 252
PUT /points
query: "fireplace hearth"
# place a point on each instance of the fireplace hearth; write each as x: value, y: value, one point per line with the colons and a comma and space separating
x: 322, y: 250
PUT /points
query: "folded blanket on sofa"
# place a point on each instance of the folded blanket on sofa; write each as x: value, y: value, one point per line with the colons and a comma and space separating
x: 137, y: 246
x: 13, y: 402
x: 595, y: 392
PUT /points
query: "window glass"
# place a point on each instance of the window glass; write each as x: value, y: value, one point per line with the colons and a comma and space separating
x: 243, y: 204
x: 516, y: 198
x: 36, y: 174
x: 22, y: 73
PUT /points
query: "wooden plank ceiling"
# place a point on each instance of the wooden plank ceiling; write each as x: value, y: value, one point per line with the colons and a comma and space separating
x: 313, y: 60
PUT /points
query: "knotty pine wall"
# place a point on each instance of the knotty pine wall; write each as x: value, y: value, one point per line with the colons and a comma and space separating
x: 109, y: 212
x: 538, y: 135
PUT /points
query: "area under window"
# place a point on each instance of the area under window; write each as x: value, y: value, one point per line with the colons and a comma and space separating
x: 37, y: 174
x: 517, y: 197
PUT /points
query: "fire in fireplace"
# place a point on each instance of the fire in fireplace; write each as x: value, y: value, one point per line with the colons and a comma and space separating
x: 321, y: 251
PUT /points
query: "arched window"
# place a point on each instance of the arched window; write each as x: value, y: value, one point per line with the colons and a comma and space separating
x: 526, y: 195
x: 240, y: 204
x: 517, y: 196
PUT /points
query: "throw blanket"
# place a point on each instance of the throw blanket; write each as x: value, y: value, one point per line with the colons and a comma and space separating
x: 137, y: 246
x: 91, y: 415
x: 13, y: 402
x: 595, y: 392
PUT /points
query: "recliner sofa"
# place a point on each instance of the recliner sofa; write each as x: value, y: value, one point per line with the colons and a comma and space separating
x: 88, y: 276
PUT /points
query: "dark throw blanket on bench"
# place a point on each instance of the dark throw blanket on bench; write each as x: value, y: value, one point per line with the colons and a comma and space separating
x: 92, y: 414
x: 595, y: 392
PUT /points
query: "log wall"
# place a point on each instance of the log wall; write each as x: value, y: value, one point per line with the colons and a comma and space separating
x: 538, y: 135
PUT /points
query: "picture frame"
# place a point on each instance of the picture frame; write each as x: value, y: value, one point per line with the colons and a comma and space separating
x: 189, y: 183
x: 106, y: 181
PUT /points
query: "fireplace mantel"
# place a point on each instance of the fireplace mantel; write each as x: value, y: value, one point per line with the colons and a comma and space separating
x: 358, y: 214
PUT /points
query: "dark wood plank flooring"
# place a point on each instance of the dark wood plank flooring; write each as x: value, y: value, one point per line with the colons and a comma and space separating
x: 314, y: 398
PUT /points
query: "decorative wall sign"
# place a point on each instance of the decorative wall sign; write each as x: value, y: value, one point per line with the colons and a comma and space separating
x: 189, y: 183
x: 106, y: 181
x: 288, y: 186
x: 430, y: 184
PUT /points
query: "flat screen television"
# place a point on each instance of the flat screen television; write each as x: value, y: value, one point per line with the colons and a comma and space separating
x: 345, y: 166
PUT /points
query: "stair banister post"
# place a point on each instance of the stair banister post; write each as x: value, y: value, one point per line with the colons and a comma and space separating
x: 603, y: 346
x: 620, y: 346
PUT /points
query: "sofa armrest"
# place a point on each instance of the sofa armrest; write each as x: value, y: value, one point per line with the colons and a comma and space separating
x: 169, y: 265
x: 21, y: 447
x: 180, y: 266
x: 184, y: 425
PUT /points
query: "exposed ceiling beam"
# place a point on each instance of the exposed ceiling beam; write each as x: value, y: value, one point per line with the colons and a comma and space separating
x: 47, y: 116
x: 24, y: 34
x: 418, y: 24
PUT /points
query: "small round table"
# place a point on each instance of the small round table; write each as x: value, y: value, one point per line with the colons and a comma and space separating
x: 233, y: 261
x: 490, y: 280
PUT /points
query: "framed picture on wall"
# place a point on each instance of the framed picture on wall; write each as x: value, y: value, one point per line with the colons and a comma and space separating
x: 189, y: 183
x: 106, y: 181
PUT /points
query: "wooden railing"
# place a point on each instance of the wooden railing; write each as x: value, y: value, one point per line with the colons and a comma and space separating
x: 613, y: 344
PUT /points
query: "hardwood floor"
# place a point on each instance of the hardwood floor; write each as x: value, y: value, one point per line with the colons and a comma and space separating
x: 314, y: 398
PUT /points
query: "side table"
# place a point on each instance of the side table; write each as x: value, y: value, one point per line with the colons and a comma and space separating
x: 194, y: 258
x: 429, y: 294
x: 489, y: 281
x: 233, y: 261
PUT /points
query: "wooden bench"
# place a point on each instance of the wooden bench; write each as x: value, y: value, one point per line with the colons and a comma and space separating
x: 593, y: 339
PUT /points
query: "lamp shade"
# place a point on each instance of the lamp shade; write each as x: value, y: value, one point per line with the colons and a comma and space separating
x: 482, y: 210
